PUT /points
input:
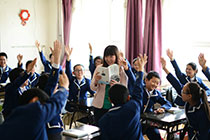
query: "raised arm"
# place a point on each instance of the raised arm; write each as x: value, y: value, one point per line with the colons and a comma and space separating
x: 202, y: 62
x: 91, y: 61
x: 43, y: 59
x: 68, y: 52
x: 54, y: 74
x: 138, y: 86
x: 20, y: 58
x: 181, y: 76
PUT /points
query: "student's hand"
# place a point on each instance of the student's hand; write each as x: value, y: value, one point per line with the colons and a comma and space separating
x: 68, y: 52
x: 122, y: 62
x: 97, y: 77
x: 63, y: 80
x: 202, y: 61
x: 91, y: 48
x: 141, y: 61
x: 38, y: 45
x: 56, y: 52
x: 112, y: 82
x: 169, y: 54
x: 163, y: 63
x: 31, y: 66
x: 19, y: 58
x: 160, y: 111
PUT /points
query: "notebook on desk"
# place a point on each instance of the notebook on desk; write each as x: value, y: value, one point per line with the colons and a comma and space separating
x: 174, y: 110
x: 76, y: 133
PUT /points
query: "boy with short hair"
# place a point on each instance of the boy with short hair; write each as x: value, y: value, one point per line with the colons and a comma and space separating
x: 151, y: 96
x: 123, y: 120
x: 4, y: 69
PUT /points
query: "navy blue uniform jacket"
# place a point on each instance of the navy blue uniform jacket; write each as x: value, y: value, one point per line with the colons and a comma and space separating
x: 183, y: 78
x: 199, y: 125
x: 5, y: 74
x: 28, y: 122
x: 123, y: 122
x: 76, y: 89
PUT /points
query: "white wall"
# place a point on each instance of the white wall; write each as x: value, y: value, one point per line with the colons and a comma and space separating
x: 15, y: 38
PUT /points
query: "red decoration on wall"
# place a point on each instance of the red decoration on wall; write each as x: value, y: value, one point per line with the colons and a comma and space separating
x: 24, y: 16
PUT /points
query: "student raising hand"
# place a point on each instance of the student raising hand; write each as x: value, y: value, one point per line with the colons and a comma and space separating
x: 56, y: 52
x: 163, y: 63
x: 37, y: 44
x: 91, y: 48
x: 68, y: 52
x: 31, y: 66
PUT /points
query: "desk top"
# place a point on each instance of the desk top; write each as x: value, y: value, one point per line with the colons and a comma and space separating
x: 88, y: 132
x: 165, y: 117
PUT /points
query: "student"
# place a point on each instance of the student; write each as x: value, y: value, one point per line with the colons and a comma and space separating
x: 124, y: 117
x: 33, y: 80
x: 93, y: 63
x: 48, y: 83
x: 79, y: 84
x: 191, y: 71
x: 101, y: 103
x: 151, y: 96
x: 18, y: 84
x: 47, y: 64
x: 28, y: 121
x: 196, y: 106
x: 4, y: 69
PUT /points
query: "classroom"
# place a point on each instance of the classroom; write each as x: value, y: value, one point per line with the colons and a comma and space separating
x: 169, y: 35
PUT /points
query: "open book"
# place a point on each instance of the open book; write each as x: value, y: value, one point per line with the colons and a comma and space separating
x: 109, y: 73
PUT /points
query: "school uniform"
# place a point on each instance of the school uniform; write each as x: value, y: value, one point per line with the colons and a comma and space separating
x: 28, y: 122
x: 199, y: 129
x: 34, y: 78
x: 123, y: 122
x: 178, y: 87
x: 207, y: 73
x: 77, y: 89
x: 132, y: 76
x: 4, y: 74
x: 54, y: 126
x: 149, y: 99
x: 92, y: 66
x: 12, y: 93
x: 183, y: 78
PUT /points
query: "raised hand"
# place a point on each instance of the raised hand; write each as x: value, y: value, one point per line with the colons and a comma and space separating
x: 37, y: 44
x: 63, y: 80
x: 19, y: 58
x: 122, y: 62
x: 169, y: 54
x: 31, y: 66
x: 91, y: 48
x: 68, y: 52
x: 56, y: 52
x: 163, y: 63
x: 141, y: 61
x: 202, y: 61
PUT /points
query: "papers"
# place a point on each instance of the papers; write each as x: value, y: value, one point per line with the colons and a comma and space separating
x: 109, y: 73
x: 76, y: 133
x: 174, y: 110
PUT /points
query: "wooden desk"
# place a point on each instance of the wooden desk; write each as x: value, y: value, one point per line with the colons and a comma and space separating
x: 166, y: 121
x: 91, y: 131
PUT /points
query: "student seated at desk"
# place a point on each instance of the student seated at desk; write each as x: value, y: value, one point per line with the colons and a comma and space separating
x: 28, y: 121
x: 79, y: 85
x: 151, y: 96
x: 18, y: 84
x: 33, y: 80
x: 122, y: 121
x: 196, y: 107
x: 4, y: 69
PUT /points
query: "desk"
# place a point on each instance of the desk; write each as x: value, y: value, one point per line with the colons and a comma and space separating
x: 166, y: 121
x: 80, y: 111
x: 91, y: 131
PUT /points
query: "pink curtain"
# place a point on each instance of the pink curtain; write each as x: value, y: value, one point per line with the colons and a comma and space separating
x: 153, y: 35
x: 134, y: 41
x: 67, y: 9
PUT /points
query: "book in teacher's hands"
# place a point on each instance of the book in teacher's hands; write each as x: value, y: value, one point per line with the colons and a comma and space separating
x: 109, y: 73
